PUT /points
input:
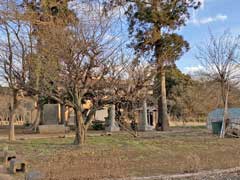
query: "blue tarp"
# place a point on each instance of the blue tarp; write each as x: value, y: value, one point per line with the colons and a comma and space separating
x: 217, y: 114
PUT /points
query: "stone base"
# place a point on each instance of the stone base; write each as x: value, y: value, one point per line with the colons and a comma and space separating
x: 146, y: 128
x: 113, y: 128
x: 53, y: 129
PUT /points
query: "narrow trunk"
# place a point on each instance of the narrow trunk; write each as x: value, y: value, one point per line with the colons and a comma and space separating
x: 159, y: 124
x: 80, y: 128
x: 223, y: 92
x: 12, y: 109
x: 225, y: 114
x: 38, y: 117
x: 11, y: 126
x: 37, y: 120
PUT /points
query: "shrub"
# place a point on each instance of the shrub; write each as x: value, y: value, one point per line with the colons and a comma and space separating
x: 98, y: 126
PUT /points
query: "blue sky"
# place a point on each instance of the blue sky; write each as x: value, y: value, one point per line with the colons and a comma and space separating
x: 216, y: 15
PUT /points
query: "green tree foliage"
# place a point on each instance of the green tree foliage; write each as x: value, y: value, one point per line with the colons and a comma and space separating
x: 177, y: 84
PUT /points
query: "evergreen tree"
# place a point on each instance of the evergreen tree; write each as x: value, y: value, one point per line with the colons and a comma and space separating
x: 47, y: 18
x: 152, y: 25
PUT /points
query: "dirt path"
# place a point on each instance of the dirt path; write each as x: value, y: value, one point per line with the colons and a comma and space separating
x: 227, y: 174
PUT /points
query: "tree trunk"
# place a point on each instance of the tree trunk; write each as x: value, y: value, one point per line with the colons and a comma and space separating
x: 11, y: 126
x: 80, y: 128
x: 12, y: 109
x: 164, y: 113
x: 225, y: 114
x: 37, y: 120
x: 38, y: 117
x: 162, y: 101
x: 223, y: 92
x: 159, y: 124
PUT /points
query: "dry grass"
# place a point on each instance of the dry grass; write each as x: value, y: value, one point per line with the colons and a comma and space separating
x: 178, y: 151
x: 190, y: 123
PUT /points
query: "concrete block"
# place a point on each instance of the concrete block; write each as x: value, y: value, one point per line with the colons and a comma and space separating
x: 17, y: 165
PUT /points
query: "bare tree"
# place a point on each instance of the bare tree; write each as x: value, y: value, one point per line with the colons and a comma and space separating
x: 132, y: 88
x: 72, y: 65
x: 13, y: 51
x: 220, y: 57
x: 87, y: 63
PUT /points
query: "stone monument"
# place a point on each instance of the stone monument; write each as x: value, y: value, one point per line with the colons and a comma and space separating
x: 143, y: 123
x: 51, y: 114
x: 51, y: 119
x: 113, y: 125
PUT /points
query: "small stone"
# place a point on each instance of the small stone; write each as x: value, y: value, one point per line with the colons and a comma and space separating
x: 108, y: 134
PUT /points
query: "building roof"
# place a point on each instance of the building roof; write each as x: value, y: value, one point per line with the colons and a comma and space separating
x: 217, y: 114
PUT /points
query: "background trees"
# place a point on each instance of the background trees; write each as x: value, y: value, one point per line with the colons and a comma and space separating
x: 50, y: 53
x: 14, y: 48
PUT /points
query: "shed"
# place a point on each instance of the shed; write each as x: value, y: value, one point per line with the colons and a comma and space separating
x: 217, y: 116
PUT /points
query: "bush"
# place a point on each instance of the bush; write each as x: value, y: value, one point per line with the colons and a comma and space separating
x: 98, y: 126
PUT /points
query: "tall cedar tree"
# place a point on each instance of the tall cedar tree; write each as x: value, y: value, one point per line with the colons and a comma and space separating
x: 152, y: 25
x: 45, y: 15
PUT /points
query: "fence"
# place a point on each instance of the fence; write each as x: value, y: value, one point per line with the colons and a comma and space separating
x: 18, y: 119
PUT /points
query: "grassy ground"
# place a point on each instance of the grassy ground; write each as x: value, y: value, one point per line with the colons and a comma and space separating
x: 178, y: 151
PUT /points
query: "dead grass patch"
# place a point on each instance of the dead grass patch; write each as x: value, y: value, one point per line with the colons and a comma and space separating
x: 121, y: 155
